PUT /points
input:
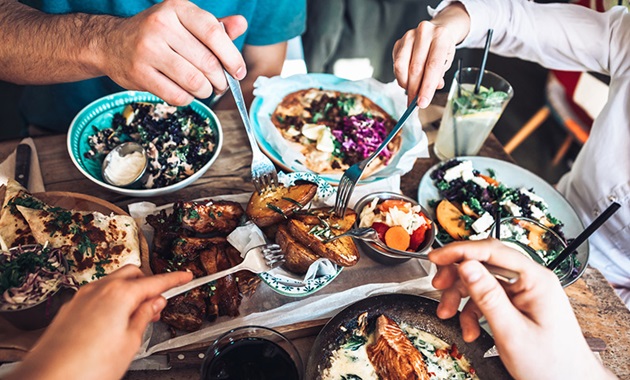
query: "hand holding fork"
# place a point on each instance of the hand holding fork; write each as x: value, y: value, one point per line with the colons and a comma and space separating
x: 264, y: 174
x: 353, y: 174
x: 258, y: 259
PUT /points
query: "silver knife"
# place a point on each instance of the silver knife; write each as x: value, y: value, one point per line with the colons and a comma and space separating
x: 595, y: 344
x: 22, y: 164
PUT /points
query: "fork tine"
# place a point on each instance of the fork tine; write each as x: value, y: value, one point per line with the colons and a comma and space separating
x: 340, y: 190
x: 268, y: 183
x: 256, y: 183
x: 343, y: 196
x: 346, y: 199
x: 274, y: 261
x: 275, y: 178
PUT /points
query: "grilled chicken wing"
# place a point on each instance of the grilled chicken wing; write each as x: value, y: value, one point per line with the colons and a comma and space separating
x: 213, y: 216
x: 186, y: 311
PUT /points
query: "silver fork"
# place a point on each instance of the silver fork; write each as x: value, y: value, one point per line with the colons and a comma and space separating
x: 264, y: 174
x: 353, y: 174
x: 369, y: 234
x: 258, y: 259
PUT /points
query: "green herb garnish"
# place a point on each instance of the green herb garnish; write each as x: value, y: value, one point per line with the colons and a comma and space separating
x: 293, y: 201
x: 276, y: 209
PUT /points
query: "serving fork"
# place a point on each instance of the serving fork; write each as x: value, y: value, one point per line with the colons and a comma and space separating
x: 258, y: 259
x: 264, y: 174
x: 369, y: 234
x: 353, y: 174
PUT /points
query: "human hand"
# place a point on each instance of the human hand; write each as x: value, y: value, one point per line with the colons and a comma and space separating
x: 423, y: 55
x: 535, y: 330
x: 97, y: 334
x: 174, y: 50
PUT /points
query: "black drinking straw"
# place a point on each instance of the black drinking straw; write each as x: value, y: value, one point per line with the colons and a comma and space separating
x: 497, y: 223
x: 581, y: 238
x: 459, y: 95
x: 459, y: 77
x: 486, y: 49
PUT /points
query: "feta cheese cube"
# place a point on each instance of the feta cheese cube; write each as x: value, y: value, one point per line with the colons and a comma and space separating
x: 464, y: 170
x: 532, y: 196
x: 479, y: 236
x: 483, y: 223
x: 480, y: 181
x: 512, y: 208
x: 537, y: 213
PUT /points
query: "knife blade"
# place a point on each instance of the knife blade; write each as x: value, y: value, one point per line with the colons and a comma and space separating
x: 22, y: 164
x: 595, y: 344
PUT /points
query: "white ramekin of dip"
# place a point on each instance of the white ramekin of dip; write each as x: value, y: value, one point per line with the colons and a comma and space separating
x: 125, y: 165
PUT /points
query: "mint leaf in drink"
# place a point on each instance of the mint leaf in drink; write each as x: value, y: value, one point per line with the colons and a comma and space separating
x: 486, y: 100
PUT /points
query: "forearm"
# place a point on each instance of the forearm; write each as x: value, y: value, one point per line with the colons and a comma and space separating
x: 557, y: 36
x: 38, y: 48
x: 456, y: 19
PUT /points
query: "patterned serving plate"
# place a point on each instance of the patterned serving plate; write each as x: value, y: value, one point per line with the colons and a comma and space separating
x: 278, y: 279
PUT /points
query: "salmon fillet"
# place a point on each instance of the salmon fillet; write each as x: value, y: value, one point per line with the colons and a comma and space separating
x: 393, y: 355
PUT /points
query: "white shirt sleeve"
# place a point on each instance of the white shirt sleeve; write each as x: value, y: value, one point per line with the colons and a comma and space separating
x: 558, y: 36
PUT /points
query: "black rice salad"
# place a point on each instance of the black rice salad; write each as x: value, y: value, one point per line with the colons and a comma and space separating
x: 178, y: 141
x: 460, y: 183
x: 481, y: 196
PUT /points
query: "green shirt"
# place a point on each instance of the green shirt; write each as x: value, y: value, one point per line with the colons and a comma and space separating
x: 54, y: 106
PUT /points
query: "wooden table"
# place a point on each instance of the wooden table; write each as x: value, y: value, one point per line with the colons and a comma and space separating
x: 600, y: 312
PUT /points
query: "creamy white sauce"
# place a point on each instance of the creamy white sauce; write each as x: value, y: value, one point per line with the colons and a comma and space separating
x: 346, y: 362
x: 122, y: 170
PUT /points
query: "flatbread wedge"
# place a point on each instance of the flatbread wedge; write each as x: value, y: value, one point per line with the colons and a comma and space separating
x: 14, y: 230
x: 94, y: 244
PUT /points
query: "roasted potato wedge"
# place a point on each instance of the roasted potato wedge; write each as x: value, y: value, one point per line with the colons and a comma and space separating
x: 450, y: 218
x: 315, y: 216
x: 341, y: 251
x: 297, y: 257
x: 270, y: 231
x: 276, y: 205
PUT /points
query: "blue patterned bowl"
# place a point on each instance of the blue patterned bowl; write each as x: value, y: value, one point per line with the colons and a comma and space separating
x: 100, y: 114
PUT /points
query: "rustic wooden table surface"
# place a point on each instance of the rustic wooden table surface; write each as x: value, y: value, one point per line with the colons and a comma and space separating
x: 600, y: 312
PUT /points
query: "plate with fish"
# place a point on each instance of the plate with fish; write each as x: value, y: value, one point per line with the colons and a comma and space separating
x: 399, y: 336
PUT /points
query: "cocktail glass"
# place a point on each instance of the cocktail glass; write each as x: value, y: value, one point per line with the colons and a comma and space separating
x: 469, y: 117
x: 537, y: 241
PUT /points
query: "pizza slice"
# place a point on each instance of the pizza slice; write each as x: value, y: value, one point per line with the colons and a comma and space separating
x: 94, y: 244
x: 14, y: 230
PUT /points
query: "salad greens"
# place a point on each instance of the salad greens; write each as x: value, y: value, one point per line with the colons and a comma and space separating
x: 486, y: 100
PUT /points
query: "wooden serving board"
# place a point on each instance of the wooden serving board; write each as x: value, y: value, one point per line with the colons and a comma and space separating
x: 15, y: 343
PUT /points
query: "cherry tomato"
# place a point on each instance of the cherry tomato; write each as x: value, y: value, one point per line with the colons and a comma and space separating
x: 381, y: 228
x: 417, y: 237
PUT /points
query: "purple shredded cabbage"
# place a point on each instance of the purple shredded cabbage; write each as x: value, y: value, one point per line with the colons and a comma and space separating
x: 39, y: 278
x: 360, y: 136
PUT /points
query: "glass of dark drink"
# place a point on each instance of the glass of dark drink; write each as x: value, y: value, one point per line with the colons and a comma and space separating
x: 252, y: 353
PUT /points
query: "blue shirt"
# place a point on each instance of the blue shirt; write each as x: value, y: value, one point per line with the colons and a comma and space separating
x: 54, y: 106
